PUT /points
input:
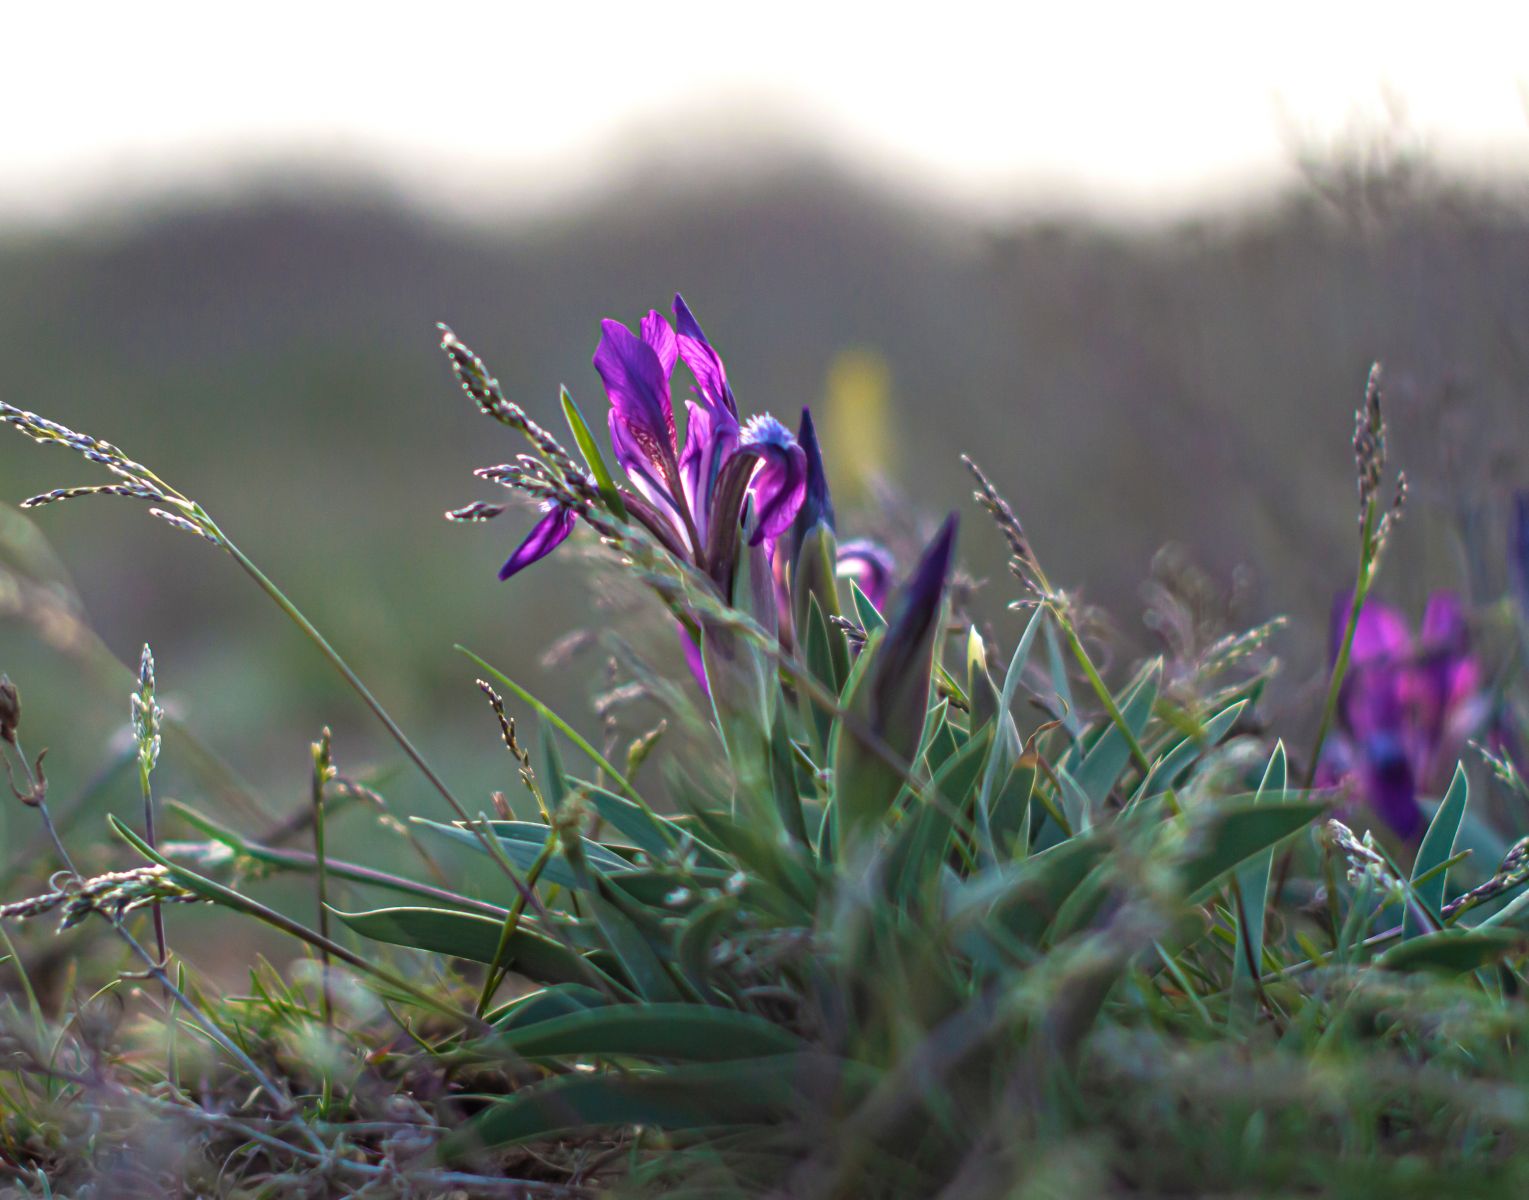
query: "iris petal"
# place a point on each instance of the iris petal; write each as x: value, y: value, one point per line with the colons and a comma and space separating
x: 658, y: 333
x: 779, y: 485
x: 545, y: 537
x: 638, y: 387
x: 871, y: 566
x: 704, y: 362
x: 711, y: 436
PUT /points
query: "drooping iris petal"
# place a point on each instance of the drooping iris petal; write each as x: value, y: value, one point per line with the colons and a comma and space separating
x: 704, y: 362
x: 1376, y: 699
x: 871, y: 566
x: 780, y: 482
x: 545, y: 537
x: 638, y: 387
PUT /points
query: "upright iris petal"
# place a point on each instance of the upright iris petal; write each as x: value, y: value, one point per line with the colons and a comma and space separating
x: 780, y: 482
x: 638, y: 386
x: 704, y: 362
x: 658, y: 333
x: 545, y: 537
x: 646, y: 475
x: 817, y: 504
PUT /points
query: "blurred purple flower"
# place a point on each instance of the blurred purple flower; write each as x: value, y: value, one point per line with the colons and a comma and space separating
x: 871, y: 566
x: 691, y: 495
x: 1407, y: 707
x: 1518, y: 553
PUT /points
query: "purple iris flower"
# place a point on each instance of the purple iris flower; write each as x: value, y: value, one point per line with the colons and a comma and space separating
x: 871, y: 567
x: 1409, y: 704
x: 692, y: 495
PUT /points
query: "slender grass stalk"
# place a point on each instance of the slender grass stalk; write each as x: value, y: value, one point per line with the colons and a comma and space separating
x: 37, y: 795
x: 1096, y: 682
x: 302, y: 860
x: 322, y: 771
x: 497, y: 969
x: 1364, y: 578
x: 239, y: 902
x: 146, y: 720
x: 277, y: 1093
x: 26, y: 856
x: 344, y: 668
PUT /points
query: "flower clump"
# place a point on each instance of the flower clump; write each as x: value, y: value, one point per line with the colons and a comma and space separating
x: 1409, y: 704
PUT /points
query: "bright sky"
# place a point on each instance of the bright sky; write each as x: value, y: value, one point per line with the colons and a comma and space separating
x: 509, y: 105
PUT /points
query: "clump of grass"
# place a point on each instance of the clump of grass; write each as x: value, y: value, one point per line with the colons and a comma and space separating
x: 921, y: 919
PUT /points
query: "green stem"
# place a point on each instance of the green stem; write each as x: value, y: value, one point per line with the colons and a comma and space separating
x: 1096, y: 682
x: 147, y: 788
x: 574, y: 736
x: 283, y: 1101
x: 497, y: 970
x: 322, y: 876
x: 1363, y: 578
x: 212, y: 890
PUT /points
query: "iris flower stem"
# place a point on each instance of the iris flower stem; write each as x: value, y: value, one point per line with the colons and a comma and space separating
x: 344, y: 668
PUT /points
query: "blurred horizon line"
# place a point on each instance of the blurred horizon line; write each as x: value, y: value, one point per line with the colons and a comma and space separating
x: 537, y: 190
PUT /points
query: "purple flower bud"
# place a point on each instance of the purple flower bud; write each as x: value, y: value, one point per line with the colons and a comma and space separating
x: 817, y: 505
x: 899, y: 679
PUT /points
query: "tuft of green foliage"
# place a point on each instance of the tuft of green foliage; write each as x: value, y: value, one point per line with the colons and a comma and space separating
x: 905, y: 918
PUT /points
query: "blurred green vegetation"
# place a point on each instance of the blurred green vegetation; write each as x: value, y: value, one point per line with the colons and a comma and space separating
x: 274, y: 357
